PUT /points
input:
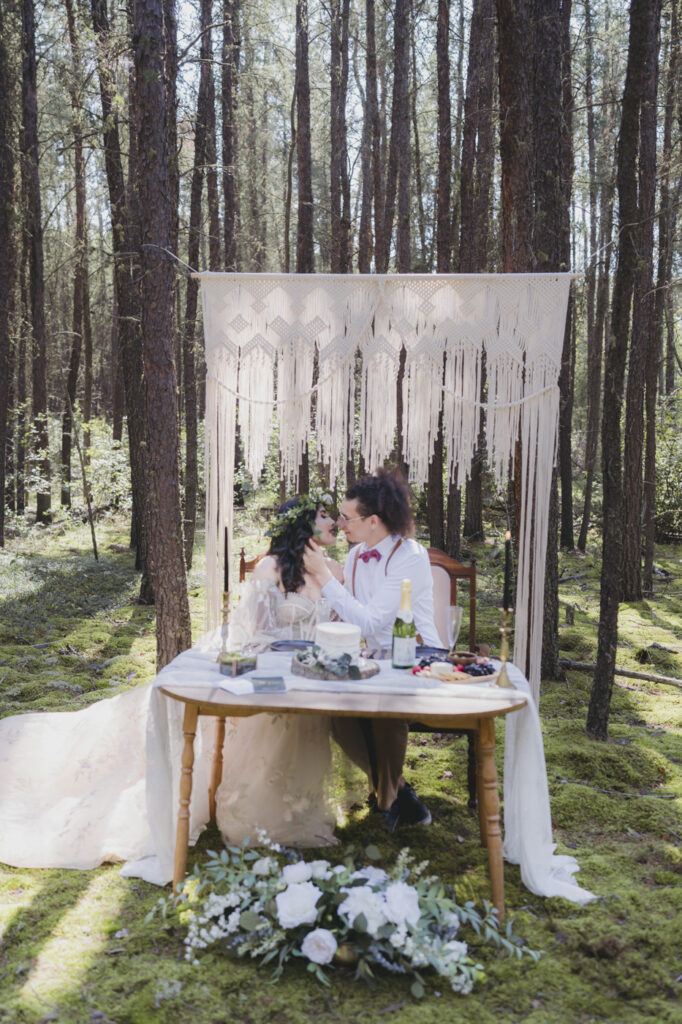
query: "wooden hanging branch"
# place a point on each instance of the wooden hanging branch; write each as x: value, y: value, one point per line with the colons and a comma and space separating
x: 582, y: 666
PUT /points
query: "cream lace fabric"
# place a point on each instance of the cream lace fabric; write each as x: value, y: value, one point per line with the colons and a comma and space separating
x: 255, y: 324
x: 275, y: 766
x: 101, y: 784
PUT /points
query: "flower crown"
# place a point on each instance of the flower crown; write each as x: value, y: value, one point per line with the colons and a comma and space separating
x: 309, y: 502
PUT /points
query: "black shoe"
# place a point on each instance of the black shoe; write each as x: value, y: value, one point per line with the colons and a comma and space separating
x: 393, y: 815
x: 411, y: 810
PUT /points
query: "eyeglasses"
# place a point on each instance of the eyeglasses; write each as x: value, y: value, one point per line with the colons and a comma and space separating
x: 346, y: 519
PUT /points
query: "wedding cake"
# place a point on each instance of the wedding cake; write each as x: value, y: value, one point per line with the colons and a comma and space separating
x: 337, y: 638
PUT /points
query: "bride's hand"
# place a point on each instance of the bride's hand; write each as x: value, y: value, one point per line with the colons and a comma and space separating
x: 315, y: 563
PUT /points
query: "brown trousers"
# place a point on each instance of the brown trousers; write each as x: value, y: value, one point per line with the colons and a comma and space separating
x: 389, y: 738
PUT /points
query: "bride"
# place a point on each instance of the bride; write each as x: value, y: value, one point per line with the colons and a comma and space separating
x: 101, y: 784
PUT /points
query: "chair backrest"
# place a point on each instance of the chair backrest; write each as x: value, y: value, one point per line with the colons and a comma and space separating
x: 247, y: 565
x: 446, y: 572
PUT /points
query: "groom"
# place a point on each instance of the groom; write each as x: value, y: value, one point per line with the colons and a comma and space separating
x: 376, y: 518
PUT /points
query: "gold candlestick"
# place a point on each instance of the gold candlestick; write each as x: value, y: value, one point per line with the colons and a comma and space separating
x: 225, y: 626
x: 503, y: 679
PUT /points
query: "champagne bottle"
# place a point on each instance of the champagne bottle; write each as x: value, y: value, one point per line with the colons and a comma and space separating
x: 404, y: 652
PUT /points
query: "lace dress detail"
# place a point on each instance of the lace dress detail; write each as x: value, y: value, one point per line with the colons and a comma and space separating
x: 275, y: 766
x: 78, y: 788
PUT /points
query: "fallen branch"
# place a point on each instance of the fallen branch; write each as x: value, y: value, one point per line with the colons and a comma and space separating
x: 578, y: 576
x: 615, y: 792
x: 583, y: 666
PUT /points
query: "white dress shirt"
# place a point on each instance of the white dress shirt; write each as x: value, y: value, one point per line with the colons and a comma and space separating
x: 377, y: 591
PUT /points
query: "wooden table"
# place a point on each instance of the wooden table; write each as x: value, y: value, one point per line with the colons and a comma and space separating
x: 477, y: 714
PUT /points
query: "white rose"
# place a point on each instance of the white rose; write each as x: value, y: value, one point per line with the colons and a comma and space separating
x: 319, y: 946
x: 262, y: 866
x: 454, y: 950
x: 320, y: 869
x: 402, y: 903
x: 363, y: 900
x: 375, y: 876
x: 299, y: 872
x: 296, y: 905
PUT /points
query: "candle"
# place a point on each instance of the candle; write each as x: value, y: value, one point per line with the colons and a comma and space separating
x: 506, y: 600
x: 226, y: 586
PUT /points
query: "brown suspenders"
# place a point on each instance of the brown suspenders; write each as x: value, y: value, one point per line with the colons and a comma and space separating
x: 357, y: 555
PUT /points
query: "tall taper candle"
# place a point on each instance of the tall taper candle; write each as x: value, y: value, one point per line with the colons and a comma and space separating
x: 506, y: 600
x: 226, y: 587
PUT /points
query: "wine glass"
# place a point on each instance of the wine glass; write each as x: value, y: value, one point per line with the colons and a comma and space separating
x: 452, y: 624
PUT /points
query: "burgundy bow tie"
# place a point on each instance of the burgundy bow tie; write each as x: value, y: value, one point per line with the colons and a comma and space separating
x: 367, y: 556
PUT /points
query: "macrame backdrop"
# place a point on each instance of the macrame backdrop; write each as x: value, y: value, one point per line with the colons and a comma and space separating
x: 262, y: 328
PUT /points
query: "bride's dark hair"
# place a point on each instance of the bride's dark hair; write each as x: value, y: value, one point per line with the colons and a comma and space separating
x: 289, y: 543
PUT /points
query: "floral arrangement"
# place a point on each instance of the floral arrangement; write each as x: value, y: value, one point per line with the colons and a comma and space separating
x: 321, y: 661
x: 400, y: 919
x: 309, y: 502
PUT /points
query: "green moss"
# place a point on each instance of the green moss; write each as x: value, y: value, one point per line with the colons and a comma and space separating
x: 76, y: 944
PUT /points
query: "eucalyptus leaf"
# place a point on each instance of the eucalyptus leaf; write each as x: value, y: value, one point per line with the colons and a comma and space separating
x: 372, y: 852
x: 249, y: 921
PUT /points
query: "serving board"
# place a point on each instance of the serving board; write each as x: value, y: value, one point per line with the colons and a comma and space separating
x: 365, y: 667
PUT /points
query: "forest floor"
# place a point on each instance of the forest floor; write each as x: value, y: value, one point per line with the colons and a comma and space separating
x: 75, y: 947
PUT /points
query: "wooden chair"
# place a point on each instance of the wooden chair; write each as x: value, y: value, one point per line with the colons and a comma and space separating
x: 446, y: 572
x: 247, y: 565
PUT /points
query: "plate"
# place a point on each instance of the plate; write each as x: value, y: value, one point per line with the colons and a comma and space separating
x: 290, y: 645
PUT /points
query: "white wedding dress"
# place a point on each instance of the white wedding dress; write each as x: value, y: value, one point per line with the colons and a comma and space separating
x: 102, y: 784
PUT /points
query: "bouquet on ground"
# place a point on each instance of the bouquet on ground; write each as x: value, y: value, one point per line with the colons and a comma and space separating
x: 250, y: 904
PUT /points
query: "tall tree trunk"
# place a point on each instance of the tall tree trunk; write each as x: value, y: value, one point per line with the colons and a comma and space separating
x: 654, y: 354
x: 127, y: 293
x: 338, y: 167
x: 154, y: 183
x: 365, y: 239
x: 644, y: 17
x: 79, y: 256
x: 201, y: 145
x: 398, y: 172
x: 435, y: 481
x: 643, y: 331
x: 305, y: 258
x: 34, y: 230
x: 475, y: 182
x: 8, y: 248
x: 229, y: 106
x: 551, y: 238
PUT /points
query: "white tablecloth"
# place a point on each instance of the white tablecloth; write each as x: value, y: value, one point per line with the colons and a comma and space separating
x: 527, y: 821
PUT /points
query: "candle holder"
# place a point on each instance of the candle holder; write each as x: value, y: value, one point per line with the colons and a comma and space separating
x: 503, y: 680
x: 232, y: 663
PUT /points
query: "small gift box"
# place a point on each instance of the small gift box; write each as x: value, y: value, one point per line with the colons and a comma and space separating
x: 236, y: 663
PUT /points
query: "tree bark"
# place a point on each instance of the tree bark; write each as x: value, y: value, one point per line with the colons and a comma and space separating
x: 79, y: 258
x: 34, y: 231
x: 643, y: 331
x: 642, y: 14
x: 229, y: 106
x: 475, y: 182
x: 201, y: 147
x: 8, y: 248
x: 154, y: 183
x: 127, y: 294
x: 305, y: 258
x: 339, y: 186
x: 666, y: 233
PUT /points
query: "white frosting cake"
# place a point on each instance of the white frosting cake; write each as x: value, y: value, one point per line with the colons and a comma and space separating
x: 337, y: 638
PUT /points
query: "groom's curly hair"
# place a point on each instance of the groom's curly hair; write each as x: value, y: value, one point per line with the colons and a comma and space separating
x: 289, y: 544
x: 385, y: 494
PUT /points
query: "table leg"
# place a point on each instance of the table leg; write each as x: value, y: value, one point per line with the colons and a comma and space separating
x: 217, y: 766
x: 479, y: 787
x: 490, y: 809
x: 189, y: 729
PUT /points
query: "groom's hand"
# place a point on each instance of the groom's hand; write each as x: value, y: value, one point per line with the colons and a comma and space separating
x: 315, y: 564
